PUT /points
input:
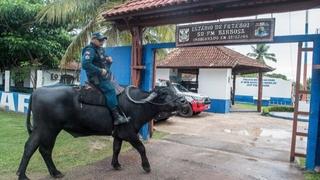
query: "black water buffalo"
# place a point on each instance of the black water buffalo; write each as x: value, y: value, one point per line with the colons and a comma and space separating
x: 57, y: 108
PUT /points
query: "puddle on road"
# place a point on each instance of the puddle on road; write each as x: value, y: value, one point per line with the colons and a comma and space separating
x: 275, y: 133
x: 241, y: 132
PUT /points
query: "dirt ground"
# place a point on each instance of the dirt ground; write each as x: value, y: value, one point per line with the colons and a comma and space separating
x: 210, y: 146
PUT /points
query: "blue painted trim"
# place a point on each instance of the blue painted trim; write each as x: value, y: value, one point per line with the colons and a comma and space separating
x: 296, y: 38
x: 121, y: 63
x: 219, y: 106
x: 313, y: 146
x: 276, y: 39
x: 83, y: 77
x: 280, y: 101
x: 242, y: 98
x: 272, y: 101
x: 264, y: 102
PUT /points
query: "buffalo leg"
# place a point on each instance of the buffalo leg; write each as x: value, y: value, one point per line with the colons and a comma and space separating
x: 30, y: 147
x: 138, y: 145
x: 117, y: 142
x: 45, y: 149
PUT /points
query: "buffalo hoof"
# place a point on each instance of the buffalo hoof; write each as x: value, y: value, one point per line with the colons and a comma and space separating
x: 116, y: 167
x: 23, y: 177
x: 147, y: 169
x: 57, y: 175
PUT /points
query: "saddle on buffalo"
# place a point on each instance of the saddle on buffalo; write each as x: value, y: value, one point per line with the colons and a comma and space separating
x: 92, y: 95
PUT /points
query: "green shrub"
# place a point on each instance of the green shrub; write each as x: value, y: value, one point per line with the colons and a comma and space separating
x: 281, y: 109
x: 266, y: 110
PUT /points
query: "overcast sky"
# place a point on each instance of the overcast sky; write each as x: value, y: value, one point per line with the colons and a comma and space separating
x: 292, y: 23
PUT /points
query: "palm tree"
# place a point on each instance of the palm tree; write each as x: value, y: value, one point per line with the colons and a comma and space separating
x: 81, y: 16
x: 85, y: 16
x: 260, y: 52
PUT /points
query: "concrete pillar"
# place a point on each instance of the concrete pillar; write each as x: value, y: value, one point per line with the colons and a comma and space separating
x: 259, y: 101
x: 7, y: 81
x: 39, y: 82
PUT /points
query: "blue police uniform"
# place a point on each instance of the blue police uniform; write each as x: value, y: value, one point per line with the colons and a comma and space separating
x: 93, y: 61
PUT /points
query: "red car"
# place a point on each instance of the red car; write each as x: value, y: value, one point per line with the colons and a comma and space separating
x: 197, y: 103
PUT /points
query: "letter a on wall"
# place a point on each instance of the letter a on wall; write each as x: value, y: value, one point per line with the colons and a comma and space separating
x: 7, y: 101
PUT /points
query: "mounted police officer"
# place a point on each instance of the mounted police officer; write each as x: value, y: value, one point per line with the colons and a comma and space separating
x: 97, y: 67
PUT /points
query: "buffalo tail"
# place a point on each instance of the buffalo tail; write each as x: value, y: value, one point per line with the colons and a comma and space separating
x: 28, y: 122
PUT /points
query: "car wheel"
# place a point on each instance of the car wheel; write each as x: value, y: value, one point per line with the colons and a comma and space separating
x: 186, y: 112
x: 196, y: 113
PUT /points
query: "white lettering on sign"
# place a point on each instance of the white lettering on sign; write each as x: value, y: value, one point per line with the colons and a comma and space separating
x: 254, y: 82
x: 7, y: 101
x: 22, y: 105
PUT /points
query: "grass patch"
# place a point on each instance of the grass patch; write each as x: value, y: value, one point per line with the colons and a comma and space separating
x: 245, y: 106
x: 159, y: 134
x: 307, y: 174
x: 68, y: 153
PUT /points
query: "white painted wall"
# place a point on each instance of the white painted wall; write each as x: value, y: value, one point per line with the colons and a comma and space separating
x: 162, y: 73
x: 1, y: 78
x: 48, y: 80
x: 272, y: 87
x: 39, y: 82
x: 28, y: 81
x: 7, y: 81
x: 215, y: 83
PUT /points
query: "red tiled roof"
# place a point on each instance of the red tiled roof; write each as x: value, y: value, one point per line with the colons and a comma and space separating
x: 138, y: 5
x: 208, y: 57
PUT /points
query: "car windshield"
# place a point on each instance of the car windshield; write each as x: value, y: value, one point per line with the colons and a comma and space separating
x: 181, y: 88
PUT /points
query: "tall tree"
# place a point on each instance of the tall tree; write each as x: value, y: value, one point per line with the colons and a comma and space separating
x: 260, y: 52
x: 86, y: 16
x: 23, y: 41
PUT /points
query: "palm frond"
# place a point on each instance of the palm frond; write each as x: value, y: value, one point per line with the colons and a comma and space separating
x: 95, y: 24
x: 67, y: 11
x: 272, y: 58
x: 252, y: 54
x: 78, y: 42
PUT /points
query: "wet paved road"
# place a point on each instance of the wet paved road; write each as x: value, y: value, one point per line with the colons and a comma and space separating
x: 235, y: 146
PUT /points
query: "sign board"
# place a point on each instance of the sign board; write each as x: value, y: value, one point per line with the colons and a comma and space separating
x: 272, y: 87
x: 228, y: 32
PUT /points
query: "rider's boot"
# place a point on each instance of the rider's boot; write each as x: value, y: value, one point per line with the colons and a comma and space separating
x: 117, y: 117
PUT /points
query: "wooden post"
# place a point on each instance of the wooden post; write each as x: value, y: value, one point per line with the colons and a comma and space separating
x: 136, y: 55
x: 305, y: 69
x: 234, y: 88
x: 7, y: 81
x: 259, y: 101
x: 296, y: 105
